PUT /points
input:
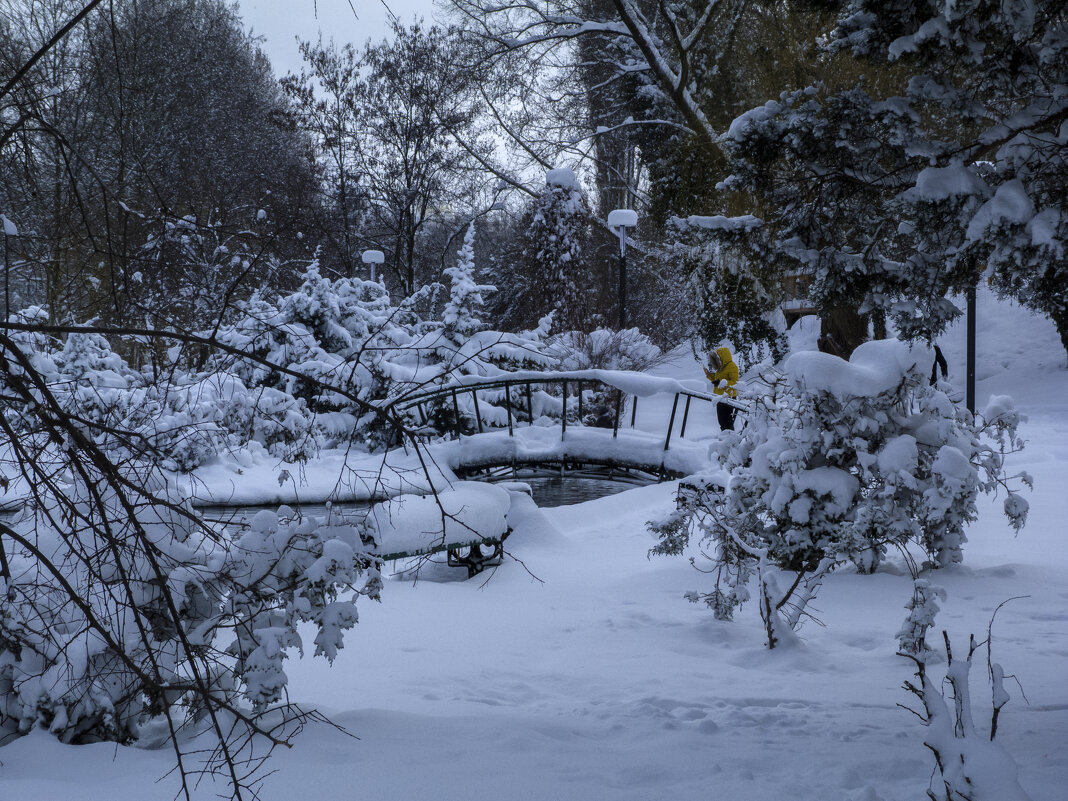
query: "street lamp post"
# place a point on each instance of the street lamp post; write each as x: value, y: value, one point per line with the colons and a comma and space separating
x: 620, y: 220
x: 970, y: 353
x: 373, y: 257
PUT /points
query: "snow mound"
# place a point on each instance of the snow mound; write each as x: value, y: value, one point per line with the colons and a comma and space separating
x: 469, y: 512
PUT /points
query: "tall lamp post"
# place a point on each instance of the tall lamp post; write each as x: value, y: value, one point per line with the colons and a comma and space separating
x: 620, y: 220
x: 373, y: 257
x: 970, y: 353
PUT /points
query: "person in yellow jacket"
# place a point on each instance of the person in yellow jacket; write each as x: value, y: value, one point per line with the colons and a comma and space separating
x: 721, y: 368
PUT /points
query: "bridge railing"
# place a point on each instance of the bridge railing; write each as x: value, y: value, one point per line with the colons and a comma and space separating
x: 514, y: 390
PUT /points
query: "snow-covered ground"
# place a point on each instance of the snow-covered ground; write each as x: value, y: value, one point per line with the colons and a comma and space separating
x: 578, y: 671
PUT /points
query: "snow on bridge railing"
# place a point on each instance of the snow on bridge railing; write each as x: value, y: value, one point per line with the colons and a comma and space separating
x: 625, y: 381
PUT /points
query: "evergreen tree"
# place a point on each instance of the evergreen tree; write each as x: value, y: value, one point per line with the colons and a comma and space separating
x: 554, y: 247
x: 953, y: 166
x: 465, y: 296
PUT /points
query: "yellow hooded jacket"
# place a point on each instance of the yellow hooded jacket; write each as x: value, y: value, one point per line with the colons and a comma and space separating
x: 728, y: 372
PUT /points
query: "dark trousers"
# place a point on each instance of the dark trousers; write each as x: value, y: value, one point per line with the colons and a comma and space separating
x: 726, y: 415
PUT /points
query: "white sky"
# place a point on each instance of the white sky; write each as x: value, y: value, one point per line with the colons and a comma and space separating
x: 280, y: 22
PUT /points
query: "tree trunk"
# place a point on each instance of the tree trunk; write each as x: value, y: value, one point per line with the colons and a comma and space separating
x: 842, y: 329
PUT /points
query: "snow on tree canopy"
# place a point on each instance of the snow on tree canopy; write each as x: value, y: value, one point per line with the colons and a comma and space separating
x: 718, y: 222
x: 939, y: 183
x: 1010, y: 203
x: 562, y: 177
x: 874, y: 368
x: 741, y: 124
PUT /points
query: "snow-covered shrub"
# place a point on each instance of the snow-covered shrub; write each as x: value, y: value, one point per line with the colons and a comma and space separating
x: 183, y: 420
x: 338, y: 342
x: 922, y: 606
x: 125, y: 613
x: 605, y: 349
x: 124, y: 616
x: 836, y: 462
x: 970, y: 765
x: 192, y: 420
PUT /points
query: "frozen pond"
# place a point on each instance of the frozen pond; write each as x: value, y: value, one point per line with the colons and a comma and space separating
x: 549, y: 491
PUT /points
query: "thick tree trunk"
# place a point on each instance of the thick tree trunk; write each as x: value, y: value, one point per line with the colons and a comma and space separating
x: 842, y: 329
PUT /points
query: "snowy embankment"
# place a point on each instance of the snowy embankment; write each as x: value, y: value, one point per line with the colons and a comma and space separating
x: 582, y: 674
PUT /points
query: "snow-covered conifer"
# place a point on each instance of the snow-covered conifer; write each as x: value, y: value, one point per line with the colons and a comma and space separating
x: 459, y: 319
x: 946, y: 163
x: 555, y: 246
x: 344, y: 336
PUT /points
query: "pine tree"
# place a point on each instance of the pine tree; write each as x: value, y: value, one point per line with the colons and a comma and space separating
x: 555, y: 245
x: 953, y: 165
x: 465, y: 296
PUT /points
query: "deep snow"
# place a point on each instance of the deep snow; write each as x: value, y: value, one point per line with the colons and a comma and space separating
x: 580, y: 672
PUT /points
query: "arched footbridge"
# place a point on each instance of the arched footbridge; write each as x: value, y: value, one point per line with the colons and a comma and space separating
x: 480, y: 432
x: 580, y: 424
x: 575, y: 424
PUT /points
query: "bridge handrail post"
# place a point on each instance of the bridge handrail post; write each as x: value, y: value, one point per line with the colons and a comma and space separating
x: 580, y: 402
x: 671, y: 422
x: 478, y: 414
x: 530, y: 404
x: 563, y: 417
x: 633, y: 411
x: 508, y: 407
x: 456, y: 414
x: 615, y: 423
x: 685, y: 416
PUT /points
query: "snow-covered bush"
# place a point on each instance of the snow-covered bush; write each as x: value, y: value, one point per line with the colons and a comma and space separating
x: 605, y: 349
x: 183, y: 420
x: 922, y: 606
x: 126, y: 615
x: 338, y: 342
x: 197, y: 417
x: 837, y: 462
x: 969, y: 764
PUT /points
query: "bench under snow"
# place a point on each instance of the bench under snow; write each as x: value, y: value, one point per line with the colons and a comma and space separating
x: 460, y: 520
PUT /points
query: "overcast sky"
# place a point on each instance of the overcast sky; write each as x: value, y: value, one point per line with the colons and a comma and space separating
x: 281, y: 21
